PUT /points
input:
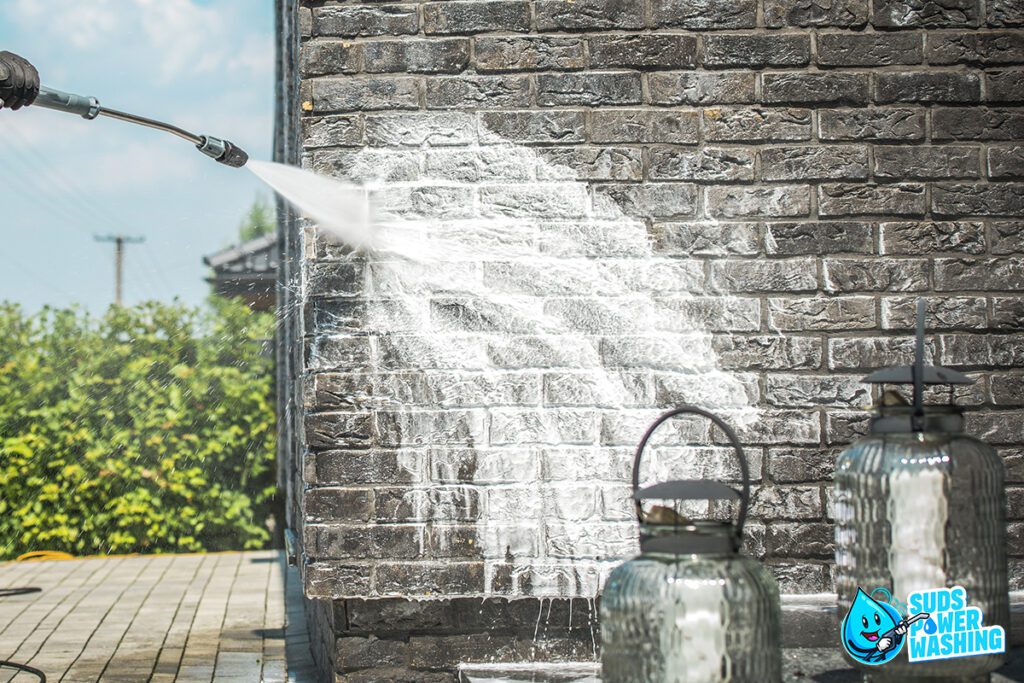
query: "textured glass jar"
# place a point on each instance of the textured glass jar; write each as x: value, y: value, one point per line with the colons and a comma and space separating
x: 690, y: 608
x: 923, y: 510
x: 919, y: 506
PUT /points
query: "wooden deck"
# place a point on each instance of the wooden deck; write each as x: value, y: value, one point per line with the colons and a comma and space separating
x: 162, y: 618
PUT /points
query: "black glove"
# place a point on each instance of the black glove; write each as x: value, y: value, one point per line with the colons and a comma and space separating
x: 19, y: 81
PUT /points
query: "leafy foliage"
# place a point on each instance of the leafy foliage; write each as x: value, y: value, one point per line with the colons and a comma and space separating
x: 258, y: 222
x: 148, y: 430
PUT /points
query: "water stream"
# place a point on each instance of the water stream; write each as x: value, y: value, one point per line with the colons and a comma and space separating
x: 526, y: 331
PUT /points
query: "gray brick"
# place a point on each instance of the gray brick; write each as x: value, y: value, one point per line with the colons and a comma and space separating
x: 587, y: 15
x: 997, y: 428
x: 1007, y: 237
x: 925, y: 163
x: 532, y: 126
x: 837, y: 13
x: 988, y: 48
x: 593, y: 163
x: 932, y: 236
x: 997, y: 199
x: 660, y: 200
x: 757, y: 125
x: 790, y: 465
x: 436, y: 129
x: 864, y: 354
x: 706, y: 164
x: 977, y: 124
x: 449, y: 578
x: 890, y: 275
x: 338, y: 430
x: 1005, y: 13
x: 332, y: 131
x: 365, y: 165
x: 1008, y: 389
x: 847, y: 199
x: 786, y: 502
x: 636, y: 51
x: 704, y: 14
x: 741, y: 315
x: 355, y: 94
x: 869, y: 49
x: 706, y: 239
x: 832, y: 89
x: 305, y: 22
x: 896, y: 125
x: 1005, y: 87
x: 330, y: 57
x: 822, y: 237
x: 734, y: 87
x: 927, y: 87
x: 453, y: 503
x: 926, y: 13
x: 338, y: 504
x: 528, y: 53
x: 944, y: 313
x: 781, y: 426
x: 354, y: 468
x: 775, y: 201
x: 590, y: 89
x: 365, y: 20
x: 832, y: 162
x: 788, y: 275
x: 342, y: 542
x: 640, y: 125
x: 756, y: 51
x: 843, y: 428
x: 551, y: 201
x: 771, y: 352
x: 997, y: 274
x: 477, y: 92
x: 476, y: 17
x: 1006, y: 162
x: 416, y: 56
x: 821, y: 314
x: 801, y: 539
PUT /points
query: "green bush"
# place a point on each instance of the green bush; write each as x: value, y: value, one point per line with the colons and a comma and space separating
x: 150, y: 429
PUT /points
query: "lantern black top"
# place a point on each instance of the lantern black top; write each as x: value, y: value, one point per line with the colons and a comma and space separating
x: 916, y: 418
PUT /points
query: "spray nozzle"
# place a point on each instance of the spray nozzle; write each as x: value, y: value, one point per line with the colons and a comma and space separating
x: 223, y: 151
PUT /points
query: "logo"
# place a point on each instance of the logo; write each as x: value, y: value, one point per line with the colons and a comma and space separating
x: 874, y: 632
x: 933, y: 624
x: 951, y: 628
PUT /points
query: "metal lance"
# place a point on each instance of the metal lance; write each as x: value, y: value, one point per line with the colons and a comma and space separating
x: 690, y: 608
x: 89, y: 108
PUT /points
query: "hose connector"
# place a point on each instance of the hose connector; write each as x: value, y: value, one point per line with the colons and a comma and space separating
x: 222, y: 151
x: 85, y: 106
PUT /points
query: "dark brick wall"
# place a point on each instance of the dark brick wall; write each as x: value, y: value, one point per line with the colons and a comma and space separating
x: 815, y: 164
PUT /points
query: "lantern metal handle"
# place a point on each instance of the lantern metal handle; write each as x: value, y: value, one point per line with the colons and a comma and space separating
x: 744, y: 496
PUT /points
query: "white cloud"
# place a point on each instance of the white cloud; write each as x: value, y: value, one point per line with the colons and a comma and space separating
x: 181, y: 38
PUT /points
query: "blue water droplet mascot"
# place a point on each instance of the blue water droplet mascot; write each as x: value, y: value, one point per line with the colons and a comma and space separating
x: 873, y: 632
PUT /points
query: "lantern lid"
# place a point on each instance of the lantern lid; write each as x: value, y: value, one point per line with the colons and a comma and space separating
x: 930, y: 374
x: 687, y: 489
x: 917, y: 417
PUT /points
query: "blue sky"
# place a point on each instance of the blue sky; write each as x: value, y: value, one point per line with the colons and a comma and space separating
x: 205, y: 65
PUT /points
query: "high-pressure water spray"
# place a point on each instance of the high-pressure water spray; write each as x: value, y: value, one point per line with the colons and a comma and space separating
x: 89, y: 108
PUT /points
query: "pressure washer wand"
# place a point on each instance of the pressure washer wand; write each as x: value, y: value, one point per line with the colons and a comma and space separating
x: 89, y: 108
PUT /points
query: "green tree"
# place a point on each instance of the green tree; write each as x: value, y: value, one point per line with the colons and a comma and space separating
x: 258, y: 222
x: 149, y: 429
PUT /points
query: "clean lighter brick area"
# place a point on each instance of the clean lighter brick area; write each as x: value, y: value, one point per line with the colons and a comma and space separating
x: 159, y: 618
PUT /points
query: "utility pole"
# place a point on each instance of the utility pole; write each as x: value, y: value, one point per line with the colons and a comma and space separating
x: 119, y: 242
